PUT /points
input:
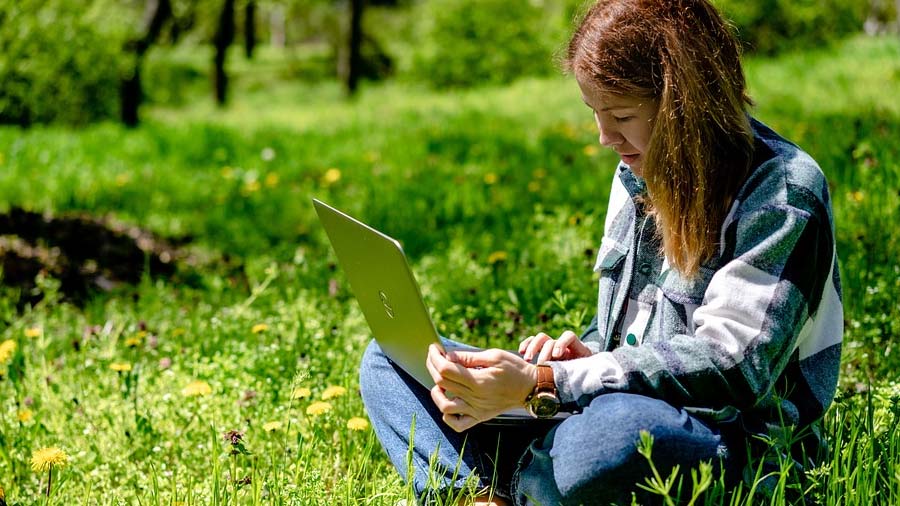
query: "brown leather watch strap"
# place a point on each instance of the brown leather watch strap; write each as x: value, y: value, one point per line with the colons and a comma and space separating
x: 545, y: 381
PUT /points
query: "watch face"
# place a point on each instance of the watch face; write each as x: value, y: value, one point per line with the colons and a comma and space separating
x: 544, y: 405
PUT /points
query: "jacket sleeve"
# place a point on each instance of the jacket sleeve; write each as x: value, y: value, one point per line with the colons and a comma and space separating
x: 745, y: 329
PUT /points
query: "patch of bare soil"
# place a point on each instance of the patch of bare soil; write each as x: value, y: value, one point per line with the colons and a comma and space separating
x: 87, y: 254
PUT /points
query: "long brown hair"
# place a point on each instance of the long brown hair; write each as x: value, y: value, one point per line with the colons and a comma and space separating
x: 684, y: 55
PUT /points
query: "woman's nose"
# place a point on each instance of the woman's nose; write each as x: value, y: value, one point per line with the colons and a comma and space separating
x: 609, y: 137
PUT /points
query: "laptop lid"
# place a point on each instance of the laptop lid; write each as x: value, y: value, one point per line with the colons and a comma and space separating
x: 390, y: 299
x: 385, y: 288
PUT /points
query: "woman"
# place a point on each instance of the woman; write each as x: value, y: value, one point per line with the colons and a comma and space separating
x: 719, y: 316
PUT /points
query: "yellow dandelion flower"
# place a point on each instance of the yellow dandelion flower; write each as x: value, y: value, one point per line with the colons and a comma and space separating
x: 301, y: 393
x: 332, y: 392
x: 33, y: 332
x: 133, y: 342
x: 25, y: 415
x: 178, y: 331
x: 331, y: 176
x: 857, y: 196
x: 196, y: 389
x: 497, y: 256
x: 272, y: 180
x: 251, y: 186
x: 46, y: 458
x: 490, y: 178
x: 534, y: 187
x: 259, y: 327
x: 120, y: 366
x: 318, y: 408
x: 591, y: 150
x: 272, y: 426
x: 7, y: 348
x: 357, y: 423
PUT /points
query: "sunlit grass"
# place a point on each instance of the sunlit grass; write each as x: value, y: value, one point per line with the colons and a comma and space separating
x: 497, y: 195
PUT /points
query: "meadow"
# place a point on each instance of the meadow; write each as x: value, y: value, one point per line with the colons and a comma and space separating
x: 234, y: 381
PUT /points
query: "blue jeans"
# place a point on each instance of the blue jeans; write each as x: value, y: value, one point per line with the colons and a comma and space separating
x: 589, y: 458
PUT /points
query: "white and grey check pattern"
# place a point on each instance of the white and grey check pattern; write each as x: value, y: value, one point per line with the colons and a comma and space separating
x: 757, y: 334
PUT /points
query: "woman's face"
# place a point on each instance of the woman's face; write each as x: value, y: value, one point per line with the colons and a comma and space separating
x: 625, y: 122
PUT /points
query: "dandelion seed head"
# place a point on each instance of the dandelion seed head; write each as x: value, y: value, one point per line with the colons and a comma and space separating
x: 45, y: 458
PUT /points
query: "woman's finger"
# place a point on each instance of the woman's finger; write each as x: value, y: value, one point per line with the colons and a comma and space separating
x: 448, y: 405
x: 547, y: 351
x: 535, y: 346
x: 460, y: 423
x: 524, y: 344
x: 562, y: 345
x: 448, y: 375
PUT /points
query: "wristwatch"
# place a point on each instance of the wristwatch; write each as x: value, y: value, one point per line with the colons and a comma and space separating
x: 543, y: 402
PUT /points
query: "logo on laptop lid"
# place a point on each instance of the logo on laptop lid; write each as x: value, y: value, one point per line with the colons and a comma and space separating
x: 387, y: 306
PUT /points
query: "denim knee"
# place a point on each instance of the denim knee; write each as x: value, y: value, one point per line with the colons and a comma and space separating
x: 593, y: 459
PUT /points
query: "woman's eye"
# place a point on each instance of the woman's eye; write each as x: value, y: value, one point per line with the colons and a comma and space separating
x: 623, y: 119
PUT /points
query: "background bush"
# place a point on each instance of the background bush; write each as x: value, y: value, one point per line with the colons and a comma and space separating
x: 771, y: 26
x: 56, y: 64
x: 467, y: 42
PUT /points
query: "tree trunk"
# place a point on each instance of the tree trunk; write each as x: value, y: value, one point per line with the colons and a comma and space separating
x: 223, y: 38
x: 156, y: 14
x: 250, y: 28
x: 131, y: 95
x: 354, y: 66
x: 277, y: 37
x: 897, y: 14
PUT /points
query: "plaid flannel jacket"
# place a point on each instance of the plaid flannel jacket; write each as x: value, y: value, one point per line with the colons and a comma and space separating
x: 756, y: 336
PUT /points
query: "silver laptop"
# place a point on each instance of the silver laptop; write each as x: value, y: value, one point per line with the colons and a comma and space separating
x: 389, y: 296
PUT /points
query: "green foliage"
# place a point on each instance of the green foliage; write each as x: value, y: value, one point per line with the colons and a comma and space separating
x: 498, y: 199
x: 467, y: 42
x: 57, y: 64
x: 770, y: 26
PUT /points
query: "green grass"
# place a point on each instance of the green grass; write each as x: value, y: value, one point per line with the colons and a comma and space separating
x: 456, y: 177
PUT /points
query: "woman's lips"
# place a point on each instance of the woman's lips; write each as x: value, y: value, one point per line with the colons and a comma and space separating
x: 629, y: 159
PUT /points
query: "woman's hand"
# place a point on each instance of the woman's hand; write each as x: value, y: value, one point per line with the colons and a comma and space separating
x: 545, y: 348
x: 471, y: 387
